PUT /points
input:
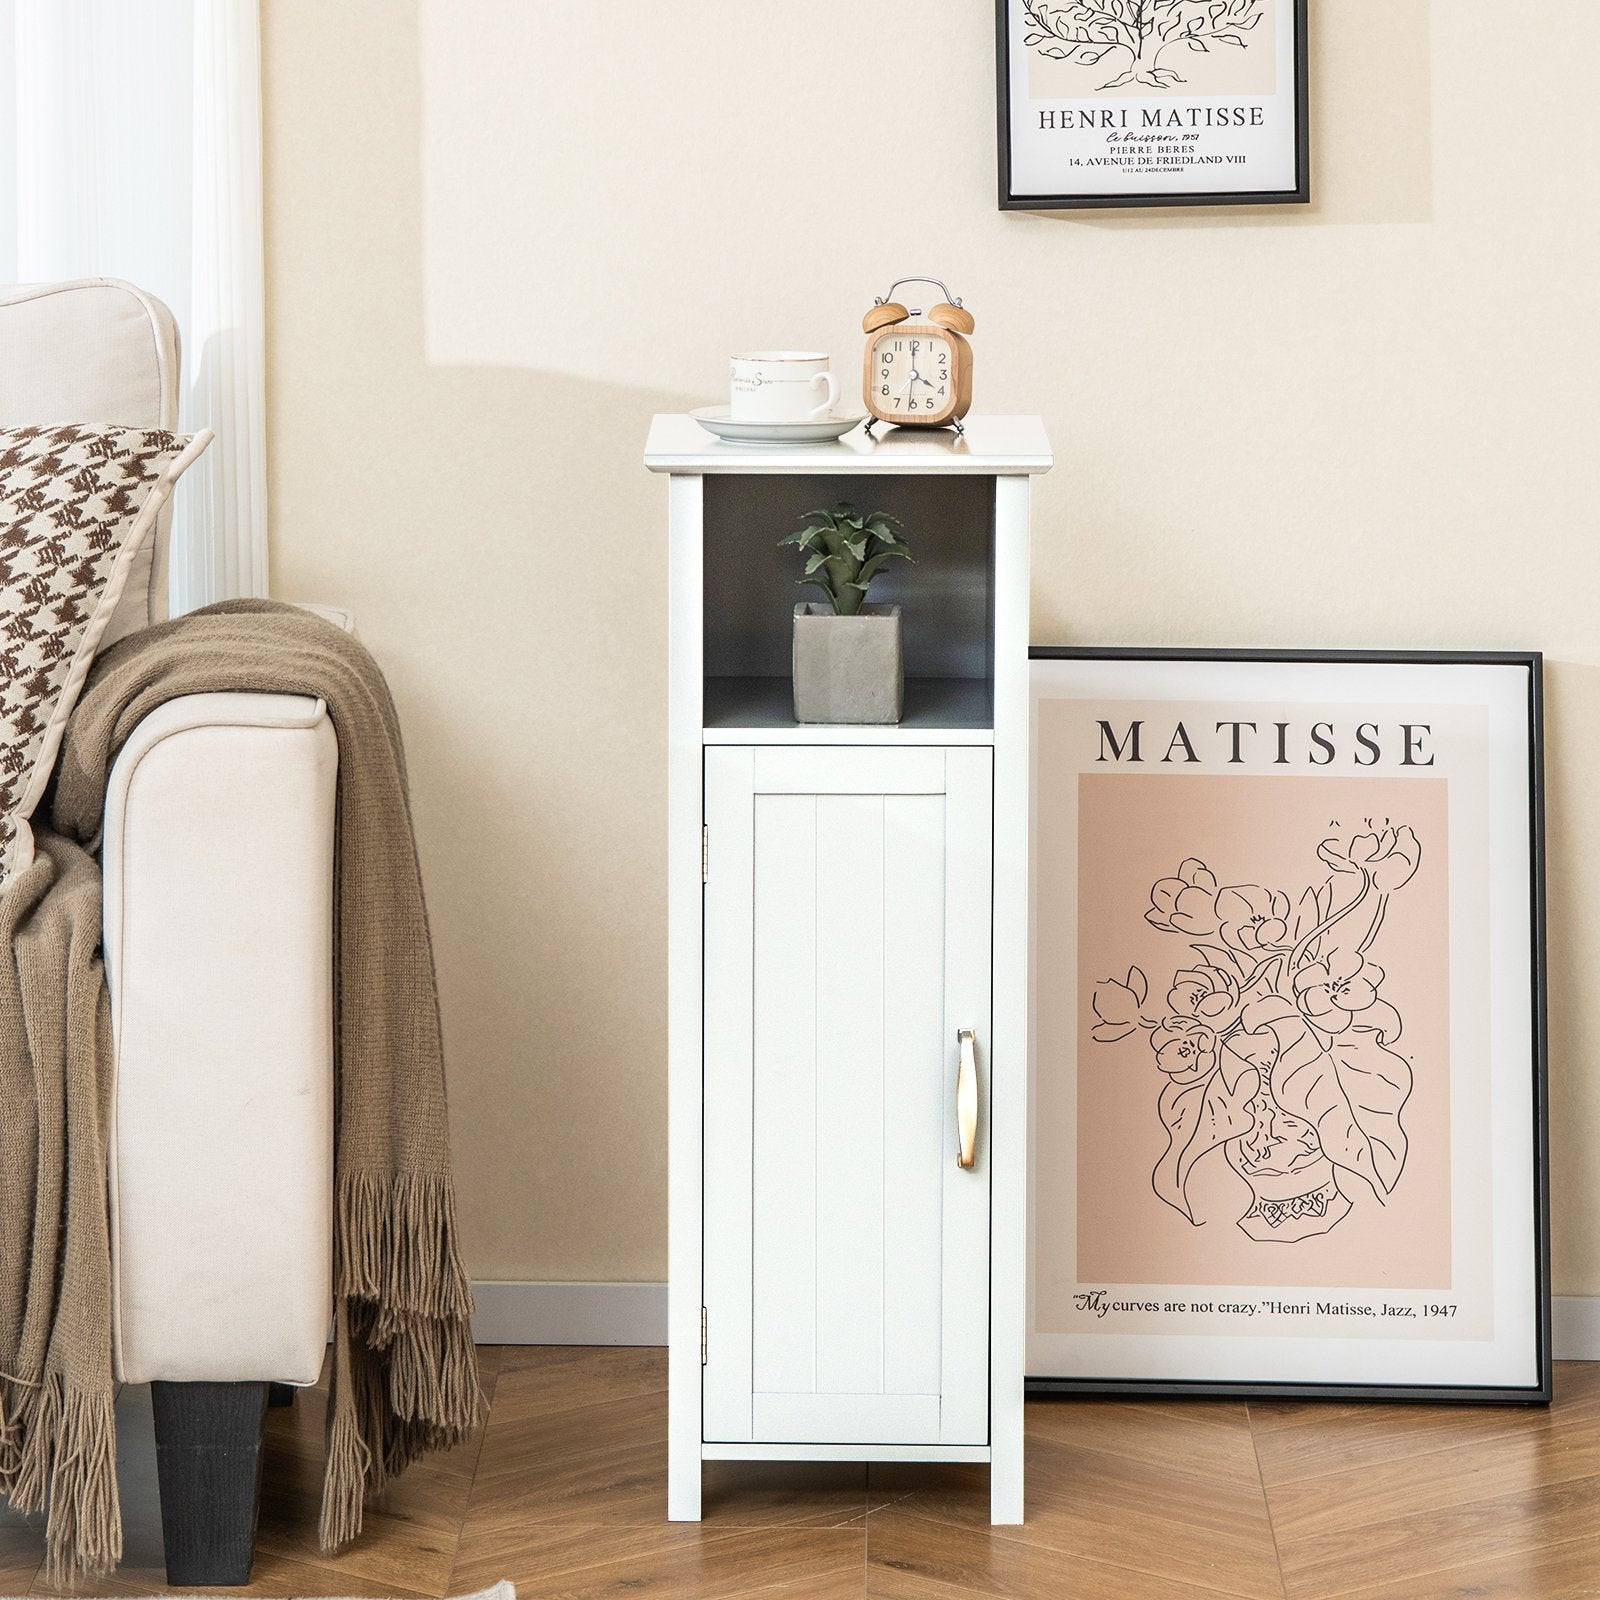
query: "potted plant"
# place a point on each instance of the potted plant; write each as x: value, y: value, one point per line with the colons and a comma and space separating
x: 848, y: 665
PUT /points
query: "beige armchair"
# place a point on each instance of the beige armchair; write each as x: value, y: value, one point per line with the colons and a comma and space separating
x: 218, y: 864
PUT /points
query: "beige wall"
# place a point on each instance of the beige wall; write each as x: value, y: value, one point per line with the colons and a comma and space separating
x: 502, y: 232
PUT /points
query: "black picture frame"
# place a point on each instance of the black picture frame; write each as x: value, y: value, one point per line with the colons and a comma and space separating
x: 1010, y: 200
x: 1540, y: 1392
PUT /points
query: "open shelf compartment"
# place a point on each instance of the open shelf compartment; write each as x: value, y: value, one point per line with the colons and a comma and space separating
x: 946, y: 596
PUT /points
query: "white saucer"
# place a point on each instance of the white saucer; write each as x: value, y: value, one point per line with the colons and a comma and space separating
x: 814, y: 430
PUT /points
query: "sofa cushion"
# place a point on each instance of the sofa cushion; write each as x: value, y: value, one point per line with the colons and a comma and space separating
x: 104, y: 352
x: 76, y: 505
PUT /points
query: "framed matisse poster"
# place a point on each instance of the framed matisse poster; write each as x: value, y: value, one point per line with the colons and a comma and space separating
x: 1152, y: 103
x: 1288, y: 1093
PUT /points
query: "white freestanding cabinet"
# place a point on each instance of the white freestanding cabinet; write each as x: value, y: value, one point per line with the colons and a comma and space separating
x: 848, y: 925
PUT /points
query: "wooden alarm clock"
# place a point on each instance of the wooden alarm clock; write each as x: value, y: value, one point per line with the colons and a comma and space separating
x: 918, y: 371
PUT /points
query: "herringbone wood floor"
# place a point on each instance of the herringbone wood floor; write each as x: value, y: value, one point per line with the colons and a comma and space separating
x: 564, y: 1493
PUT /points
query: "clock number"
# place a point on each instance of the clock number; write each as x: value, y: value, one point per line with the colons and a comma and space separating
x: 888, y: 356
x: 911, y: 404
x: 886, y: 388
x: 944, y: 358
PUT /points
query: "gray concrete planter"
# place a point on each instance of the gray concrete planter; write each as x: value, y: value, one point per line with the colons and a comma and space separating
x: 847, y: 669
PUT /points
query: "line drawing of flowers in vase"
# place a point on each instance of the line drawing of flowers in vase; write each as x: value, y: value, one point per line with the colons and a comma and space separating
x: 1275, y: 1045
x: 1087, y: 31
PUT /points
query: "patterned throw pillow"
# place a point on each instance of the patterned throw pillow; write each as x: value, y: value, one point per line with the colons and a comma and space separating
x: 75, y: 505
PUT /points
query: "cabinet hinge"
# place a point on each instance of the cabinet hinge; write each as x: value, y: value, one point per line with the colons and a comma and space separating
x: 702, y: 1336
x: 705, y: 853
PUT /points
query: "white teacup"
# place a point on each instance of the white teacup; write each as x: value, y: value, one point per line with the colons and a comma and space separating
x: 780, y: 386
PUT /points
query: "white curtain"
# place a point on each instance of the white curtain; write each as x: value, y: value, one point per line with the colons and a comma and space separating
x: 130, y: 147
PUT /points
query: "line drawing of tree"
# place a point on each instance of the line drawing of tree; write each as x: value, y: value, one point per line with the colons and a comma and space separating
x: 1274, y: 1044
x: 1087, y: 31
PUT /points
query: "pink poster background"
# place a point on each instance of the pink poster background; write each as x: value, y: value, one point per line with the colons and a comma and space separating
x: 1135, y: 829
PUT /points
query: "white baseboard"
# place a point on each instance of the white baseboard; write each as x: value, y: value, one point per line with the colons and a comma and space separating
x: 570, y: 1313
x: 636, y: 1313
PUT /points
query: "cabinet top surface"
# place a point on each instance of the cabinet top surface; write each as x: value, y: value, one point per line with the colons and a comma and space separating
x: 990, y: 445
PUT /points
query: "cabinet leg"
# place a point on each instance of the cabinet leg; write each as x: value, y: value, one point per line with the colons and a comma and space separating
x: 208, y: 1465
x: 1005, y: 1483
x: 685, y: 1393
x: 683, y: 1487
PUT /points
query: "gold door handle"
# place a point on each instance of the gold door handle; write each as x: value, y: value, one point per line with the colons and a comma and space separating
x: 966, y: 1098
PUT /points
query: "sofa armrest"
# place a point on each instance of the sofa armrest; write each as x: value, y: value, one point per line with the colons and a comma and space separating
x: 218, y: 860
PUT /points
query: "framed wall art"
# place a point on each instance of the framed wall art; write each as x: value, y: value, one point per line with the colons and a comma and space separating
x: 1152, y: 103
x: 1288, y: 1094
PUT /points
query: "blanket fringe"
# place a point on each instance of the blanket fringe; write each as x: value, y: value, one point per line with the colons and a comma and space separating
x: 344, y: 1485
x: 405, y: 1373
x: 38, y: 1422
x: 10, y: 1430
x: 60, y: 1451
x: 433, y: 1375
x: 84, y: 1530
x: 396, y: 1246
x: 418, y: 1395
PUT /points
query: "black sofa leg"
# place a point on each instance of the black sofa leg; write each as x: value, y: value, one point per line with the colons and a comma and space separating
x: 280, y: 1394
x: 208, y: 1463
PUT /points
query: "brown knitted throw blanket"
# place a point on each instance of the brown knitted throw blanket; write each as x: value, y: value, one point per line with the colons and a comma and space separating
x: 404, y: 1371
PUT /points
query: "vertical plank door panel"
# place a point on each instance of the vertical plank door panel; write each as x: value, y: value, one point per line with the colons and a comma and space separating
x: 785, y: 1129
x: 850, y: 1130
x: 913, y: 1088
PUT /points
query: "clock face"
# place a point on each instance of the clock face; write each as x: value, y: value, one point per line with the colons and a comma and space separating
x: 912, y: 374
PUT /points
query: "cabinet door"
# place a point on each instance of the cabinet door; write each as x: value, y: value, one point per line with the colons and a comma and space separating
x: 847, y: 944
